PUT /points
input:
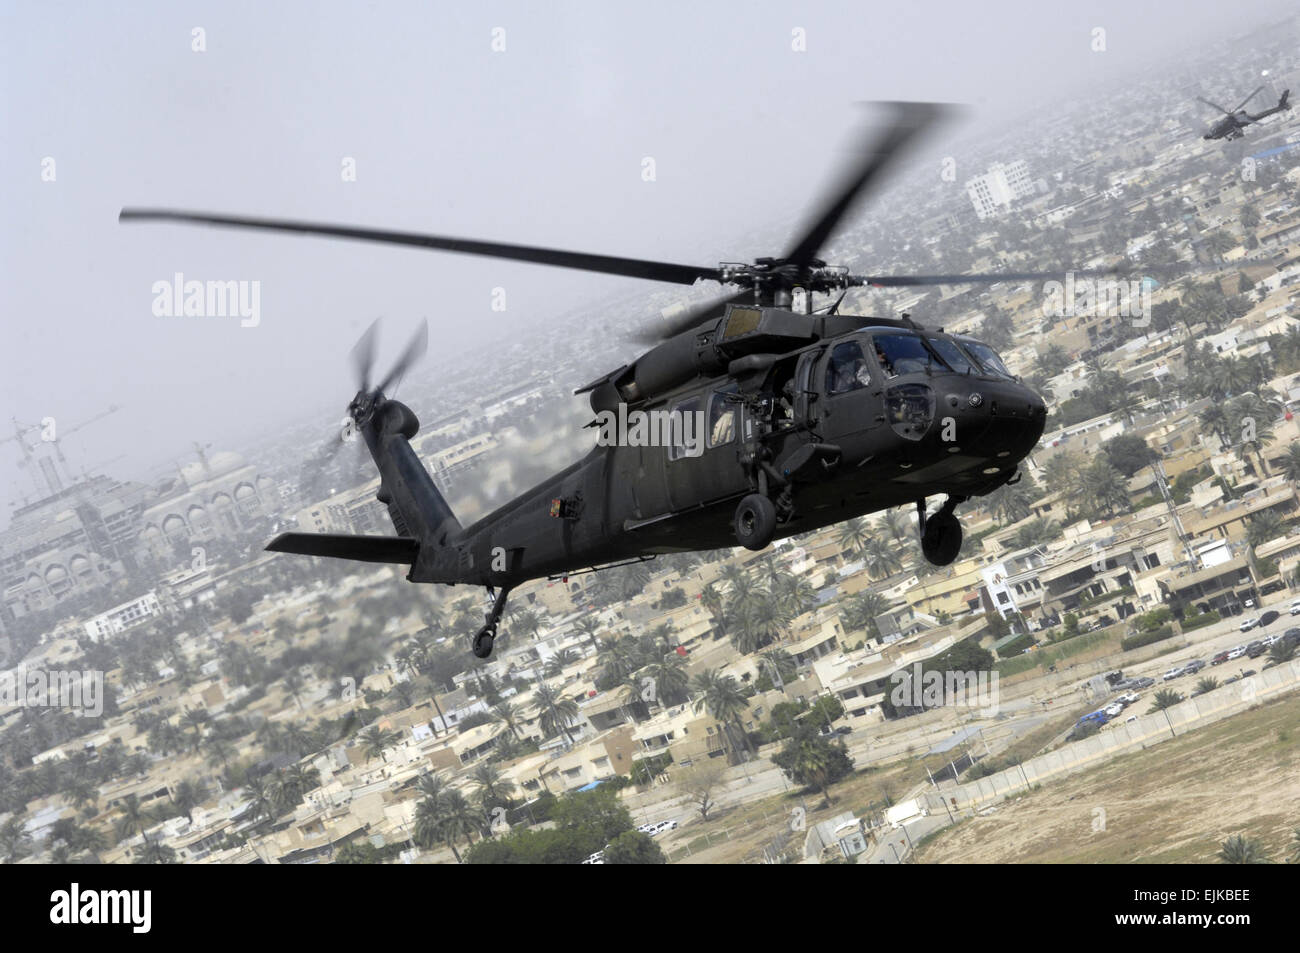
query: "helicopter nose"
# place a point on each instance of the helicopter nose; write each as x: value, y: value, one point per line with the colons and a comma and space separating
x: 994, y: 418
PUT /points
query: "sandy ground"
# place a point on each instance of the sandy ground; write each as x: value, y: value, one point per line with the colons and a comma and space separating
x: 1176, y: 802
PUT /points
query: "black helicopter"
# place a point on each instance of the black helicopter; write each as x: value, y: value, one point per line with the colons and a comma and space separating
x: 808, y: 419
x: 1234, y: 122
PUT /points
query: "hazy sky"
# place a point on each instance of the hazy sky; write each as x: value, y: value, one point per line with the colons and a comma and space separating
x: 542, y: 143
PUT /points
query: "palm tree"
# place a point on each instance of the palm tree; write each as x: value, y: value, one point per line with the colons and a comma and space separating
x: 715, y: 605
x: 882, y: 559
x: 794, y: 594
x: 261, y: 802
x: 853, y: 535
x: 812, y: 760
x: 374, y: 740
x: 1263, y: 526
x: 724, y: 700
x: 763, y: 621
x: 15, y: 842
x: 1240, y: 849
x: 860, y: 612
x: 156, y: 852
x: 134, y: 818
x: 557, y: 712
x: 670, y: 679
x: 1165, y: 698
x: 1207, y: 684
x: 1290, y: 465
x: 493, y: 789
x: 196, y: 718
x: 293, y: 783
x: 739, y: 583
x: 896, y: 524
x: 588, y: 626
x: 779, y: 665
x: 188, y: 795
x: 506, y: 712
x: 456, y: 818
x: 87, y: 840
x: 528, y: 621
x: 616, y: 658
x: 558, y: 662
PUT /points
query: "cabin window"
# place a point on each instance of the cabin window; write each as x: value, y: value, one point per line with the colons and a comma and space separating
x: 685, y: 423
x: 723, y: 416
x: 847, y: 369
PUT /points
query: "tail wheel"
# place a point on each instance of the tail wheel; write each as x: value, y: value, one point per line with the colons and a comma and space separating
x: 755, y: 521
x: 483, y: 641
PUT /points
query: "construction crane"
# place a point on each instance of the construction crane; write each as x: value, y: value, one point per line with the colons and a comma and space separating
x: 53, y: 483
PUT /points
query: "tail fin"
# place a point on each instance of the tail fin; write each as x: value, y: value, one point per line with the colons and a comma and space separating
x: 1284, y: 103
x: 416, y: 506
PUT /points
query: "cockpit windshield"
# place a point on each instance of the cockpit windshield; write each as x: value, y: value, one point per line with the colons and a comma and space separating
x: 905, y: 354
x: 953, y: 355
x: 987, y: 357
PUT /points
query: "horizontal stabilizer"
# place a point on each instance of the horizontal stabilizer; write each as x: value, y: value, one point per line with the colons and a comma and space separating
x: 367, y: 549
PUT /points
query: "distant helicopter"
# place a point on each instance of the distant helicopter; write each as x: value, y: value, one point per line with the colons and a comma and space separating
x: 808, y: 418
x: 1234, y: 122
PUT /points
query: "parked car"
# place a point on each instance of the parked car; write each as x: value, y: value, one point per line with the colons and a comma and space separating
x: 1220, y: 658
x: 1114, y: 710
x: 1236, y: 652
x: 1131, y: 698
x: 1256, y: 649
x: 1173, y: 673
x: 1295, y: 607
x: 1194, y: 666
x: 1248, y: 624
x: 1146, y: 681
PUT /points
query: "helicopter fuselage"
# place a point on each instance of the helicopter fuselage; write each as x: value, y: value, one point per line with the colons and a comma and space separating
x: 854, y: 423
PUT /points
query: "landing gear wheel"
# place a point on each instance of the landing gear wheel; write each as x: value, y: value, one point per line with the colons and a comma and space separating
x: 483, y: 641
x: 941, y: 539
x: 755, y: 521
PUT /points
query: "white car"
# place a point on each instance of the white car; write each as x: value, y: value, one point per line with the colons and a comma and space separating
x: 1295, y: 607
x: 1248, y: 624
x: 1132, y: 698
x: 1236, y: 652
x: 1114, y: 710
x: 1173, y: 673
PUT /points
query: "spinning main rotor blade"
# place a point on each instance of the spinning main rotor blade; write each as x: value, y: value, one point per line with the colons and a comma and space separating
x: 363, y: 356
x: 908, y: 122
x: 583, y: 261
x: 415, y: 350
x: 1213, y: 105
x: 1249, y: 98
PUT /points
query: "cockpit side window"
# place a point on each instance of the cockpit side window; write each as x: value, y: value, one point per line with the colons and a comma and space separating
x: 847, y: 369
x: 905, y: 354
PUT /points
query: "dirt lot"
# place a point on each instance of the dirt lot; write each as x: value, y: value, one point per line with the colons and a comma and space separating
x: 740, y: 834
x: 1175, y: 803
